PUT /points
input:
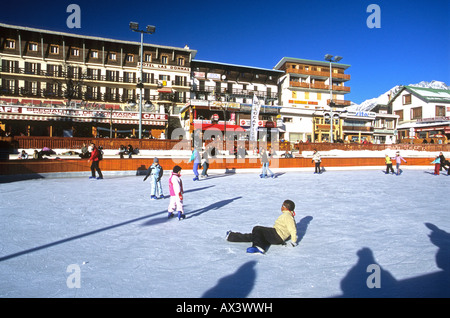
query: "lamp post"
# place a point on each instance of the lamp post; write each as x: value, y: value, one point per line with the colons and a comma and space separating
x: 134, y: 26
x: 330, y: 59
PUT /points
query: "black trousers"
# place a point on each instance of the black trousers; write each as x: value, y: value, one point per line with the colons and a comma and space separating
x: 95, y: 167
x: 261, y: 236
x: 317, y: 167
x: 389, y: 168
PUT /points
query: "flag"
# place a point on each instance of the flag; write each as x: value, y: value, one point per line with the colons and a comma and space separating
x: 254, y: 118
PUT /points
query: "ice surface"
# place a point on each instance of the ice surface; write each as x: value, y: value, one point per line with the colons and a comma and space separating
x: 125, y: 246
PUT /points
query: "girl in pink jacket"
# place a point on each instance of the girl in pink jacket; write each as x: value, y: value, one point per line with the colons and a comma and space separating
x: 398, y: 159
x: 176, y: 194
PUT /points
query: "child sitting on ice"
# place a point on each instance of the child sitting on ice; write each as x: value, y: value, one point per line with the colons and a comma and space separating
x: 262, y: 237
x: 176, y: 194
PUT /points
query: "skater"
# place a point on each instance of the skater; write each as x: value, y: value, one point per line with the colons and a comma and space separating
x: 265, y: 160
x: 444, y: 162
x: 95, y: 158
x: 262, y: 237
x: 437, y: 165
x: 156, y: 171
x: 176, y: 194
x: 195, y: 157
x: 398, y: 159
x: 388, y: 161
x: 205, y: 162
x: 317, y: 160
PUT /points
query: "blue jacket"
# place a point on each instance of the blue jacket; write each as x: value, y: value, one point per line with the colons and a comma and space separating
x: 195, y: 156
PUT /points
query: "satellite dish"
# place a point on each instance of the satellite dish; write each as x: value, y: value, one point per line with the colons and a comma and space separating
x: 224, y: 77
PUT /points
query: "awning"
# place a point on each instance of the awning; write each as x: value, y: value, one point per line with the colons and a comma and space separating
x: 220, y: 127
x: 165, y: 90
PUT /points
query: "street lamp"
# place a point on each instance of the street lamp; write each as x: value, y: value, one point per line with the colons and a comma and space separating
x: 134, y: 26
x: 330, y: 59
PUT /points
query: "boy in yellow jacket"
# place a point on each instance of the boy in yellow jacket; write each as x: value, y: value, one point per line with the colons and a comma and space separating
x: 262, y: 237
x: 388, y: 162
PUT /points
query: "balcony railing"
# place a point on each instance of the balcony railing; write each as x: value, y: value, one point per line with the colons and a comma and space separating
x: 318, y: 86
x: 235, y: 91
x: 338, y: 102
x: 318, y: 73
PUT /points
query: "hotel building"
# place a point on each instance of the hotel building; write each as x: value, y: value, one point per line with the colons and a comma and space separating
x: 60, y: 83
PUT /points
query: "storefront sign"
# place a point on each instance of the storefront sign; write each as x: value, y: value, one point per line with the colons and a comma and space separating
x: 164, y: 67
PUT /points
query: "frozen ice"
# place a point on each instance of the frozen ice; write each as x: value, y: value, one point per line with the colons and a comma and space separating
x: 123, y: 244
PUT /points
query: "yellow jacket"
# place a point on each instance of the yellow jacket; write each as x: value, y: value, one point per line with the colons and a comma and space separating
x: 286, y: 227
x: 388, y: 159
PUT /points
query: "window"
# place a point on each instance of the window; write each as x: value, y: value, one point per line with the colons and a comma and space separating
x: 306, y: 95
x: 112, y: 56
x: 147, y: 57
x: 416, y: 113
x: 319, y: 96
x: 94, y: 54
x: 400, y: 114
x: 164, y: 59
x: 287, y: 119
x: 54, y: 49
x: 180, y: 61
x: 32, y: 47
x: 130, y: 58
x: 75, y: 52
x: 440, y: 111
x: 407, y: 99
x: 10, y: 44
x: 294, y: 94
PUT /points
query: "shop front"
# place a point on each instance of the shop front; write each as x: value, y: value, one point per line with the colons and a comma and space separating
x: 69, y: 122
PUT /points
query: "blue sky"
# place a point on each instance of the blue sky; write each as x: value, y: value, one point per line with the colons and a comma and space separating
x: 412, y: 44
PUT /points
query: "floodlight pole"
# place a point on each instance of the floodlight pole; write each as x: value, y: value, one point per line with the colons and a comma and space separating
x: 150, y: 29
x: 330, y: 59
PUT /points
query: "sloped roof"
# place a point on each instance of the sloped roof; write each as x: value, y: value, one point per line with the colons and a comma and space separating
x: 426, y: 94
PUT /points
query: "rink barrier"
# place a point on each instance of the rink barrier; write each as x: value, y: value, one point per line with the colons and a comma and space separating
x: 140, y: 165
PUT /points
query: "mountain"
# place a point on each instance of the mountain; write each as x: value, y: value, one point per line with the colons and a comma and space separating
x: 369, y: 104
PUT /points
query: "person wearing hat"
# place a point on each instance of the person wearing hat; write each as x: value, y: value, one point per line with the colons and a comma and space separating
x: 262, y: 237
x: 176, y: 194
x: 156, y: 173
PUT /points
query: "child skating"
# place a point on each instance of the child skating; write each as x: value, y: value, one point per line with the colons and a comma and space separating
x: 176, y: 194
x: 437, y: 165
x: 388, y: 162
x: 398, y: 159
x: 262, y: 237
x: 156, y: 173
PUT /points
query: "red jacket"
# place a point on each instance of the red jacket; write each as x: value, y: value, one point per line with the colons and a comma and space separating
x: 94, y: 154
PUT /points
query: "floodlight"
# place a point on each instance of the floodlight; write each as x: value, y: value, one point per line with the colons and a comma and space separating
x: 337, y: 58
x: 151, y: 29
x: 134, y: 25
x: 328, y: 57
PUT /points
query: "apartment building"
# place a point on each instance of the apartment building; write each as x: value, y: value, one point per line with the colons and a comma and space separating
x: 422, y: 112
x: 222, y: 94
x: 43, y: 68
x: 304, y: 94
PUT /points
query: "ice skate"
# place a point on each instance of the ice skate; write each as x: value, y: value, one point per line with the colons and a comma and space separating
x: 255, y: 249
x: 153, y: 197
x: 181, y: 216
x: 170, y: 215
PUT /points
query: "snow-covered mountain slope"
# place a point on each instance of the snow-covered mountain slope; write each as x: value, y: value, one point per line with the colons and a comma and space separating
x: 369, y: 104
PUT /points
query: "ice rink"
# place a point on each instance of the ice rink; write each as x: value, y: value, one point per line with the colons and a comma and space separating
x: 361, y: 234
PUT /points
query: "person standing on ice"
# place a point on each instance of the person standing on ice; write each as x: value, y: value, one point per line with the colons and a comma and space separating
x: 398, y: 159
x: 437, y: 165
x: 388, y: 162
x: 265, y: 160
x: 156, y: 173
x: 317, y: 160
x: 176, y: 194
x: 262, y: 237
x: 95, y: 159
x: 195, y: 157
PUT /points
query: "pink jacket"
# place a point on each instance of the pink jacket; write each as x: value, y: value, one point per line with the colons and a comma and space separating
x: 175, y: 185
x: 399, y: 158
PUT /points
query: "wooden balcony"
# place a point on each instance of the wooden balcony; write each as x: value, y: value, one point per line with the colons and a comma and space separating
x: 340, y: 102
x: 319, y: 86
x: 318, y: 73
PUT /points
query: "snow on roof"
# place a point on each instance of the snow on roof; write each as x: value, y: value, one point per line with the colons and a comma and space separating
x: 431, y: 94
